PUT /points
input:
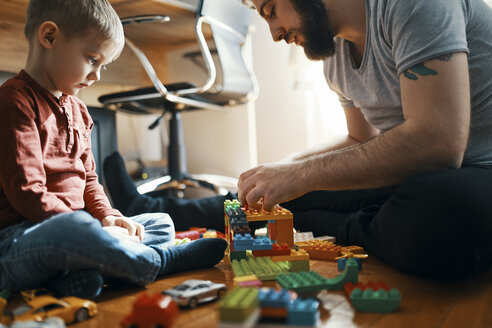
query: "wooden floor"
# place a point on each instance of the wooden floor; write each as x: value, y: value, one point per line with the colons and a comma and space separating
x: 424, y: 303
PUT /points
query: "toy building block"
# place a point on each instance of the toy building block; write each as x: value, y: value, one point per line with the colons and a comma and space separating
x: 352, y: 250
x: 277, y: 250
x: 191, y: 234
x: 263, y: 267
x: 270, y: 297
x: 242, y: 242
x: 247, y: 281
x: 303, y: 236
x: 299, y: 266
x: 342, y: 261
x: 246, y: 242
x: 373, y: 297
x: 238, y: 305
x: 282, y: 231
x: 278, y: 213
x: 303, y: 282
x: 321, y: 250
x: 327, y: 238
x: 241, y: 229
x: 250, y: 322
x: 307, y: 282
x: 303, y: 312
x: 300, y: 255
x: 237, y: 255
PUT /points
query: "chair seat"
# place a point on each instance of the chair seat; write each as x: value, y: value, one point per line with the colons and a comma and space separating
x: 148, y: 100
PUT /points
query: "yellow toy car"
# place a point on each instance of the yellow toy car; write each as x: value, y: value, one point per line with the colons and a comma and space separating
x: 68, y: 308
x: 30, y: 294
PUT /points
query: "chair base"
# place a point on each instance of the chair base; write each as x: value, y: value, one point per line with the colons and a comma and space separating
x: 191, y: 186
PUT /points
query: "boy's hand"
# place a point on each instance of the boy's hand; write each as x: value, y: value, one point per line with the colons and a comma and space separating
x: 133, y: 228
x: 121, y: 233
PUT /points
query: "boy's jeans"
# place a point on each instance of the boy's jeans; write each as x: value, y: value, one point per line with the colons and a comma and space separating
x: 30, y: 254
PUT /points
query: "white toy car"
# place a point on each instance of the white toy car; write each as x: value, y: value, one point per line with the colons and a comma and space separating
x: 192, y: 292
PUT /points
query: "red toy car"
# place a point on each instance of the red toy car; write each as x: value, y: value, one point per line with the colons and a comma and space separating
x: 152, y: 311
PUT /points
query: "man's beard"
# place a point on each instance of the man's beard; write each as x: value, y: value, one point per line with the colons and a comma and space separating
x: 319, y: 43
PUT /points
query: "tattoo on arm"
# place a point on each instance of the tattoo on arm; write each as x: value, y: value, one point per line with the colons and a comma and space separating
x: 420, y: 69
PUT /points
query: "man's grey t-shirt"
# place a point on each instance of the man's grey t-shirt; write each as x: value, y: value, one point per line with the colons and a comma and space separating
x: 403, y: 33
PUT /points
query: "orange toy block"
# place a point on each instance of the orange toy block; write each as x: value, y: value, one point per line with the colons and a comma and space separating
x: 282, y: 231
x: 321, y: 250
x: 278, y: 213
x: 300, y: 255
x: 277, y: 249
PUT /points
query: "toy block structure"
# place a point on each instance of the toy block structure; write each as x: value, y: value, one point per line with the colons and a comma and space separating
x: 310, y: 282
x: 239, y: 308
x: 263, y: 267
x: 275, y: 248
x: 280, y: 222
x: 373, y: 297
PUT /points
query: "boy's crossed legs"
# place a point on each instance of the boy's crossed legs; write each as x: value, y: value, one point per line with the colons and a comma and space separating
x: 76, y: 243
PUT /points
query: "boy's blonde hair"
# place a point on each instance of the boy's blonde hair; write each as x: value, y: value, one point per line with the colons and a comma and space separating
x: 76, y: 18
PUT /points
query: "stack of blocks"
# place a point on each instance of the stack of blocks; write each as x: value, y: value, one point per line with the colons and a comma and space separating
x: 373, y: 297
x: 279, y: 307
x: 266, y: 256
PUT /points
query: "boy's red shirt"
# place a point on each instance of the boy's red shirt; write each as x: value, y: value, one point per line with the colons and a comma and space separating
x: 46, y: 164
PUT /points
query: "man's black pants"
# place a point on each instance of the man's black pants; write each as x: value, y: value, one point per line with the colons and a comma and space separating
x: 436, y: 224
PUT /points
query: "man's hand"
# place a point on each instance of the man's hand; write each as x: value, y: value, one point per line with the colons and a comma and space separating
x: 271, y: 184
x: 117, y: 226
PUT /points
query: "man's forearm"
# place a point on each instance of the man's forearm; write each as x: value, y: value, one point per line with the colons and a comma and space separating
x: 337, y: 144
x: 383, y: 161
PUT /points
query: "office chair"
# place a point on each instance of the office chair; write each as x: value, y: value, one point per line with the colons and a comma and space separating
x: 236, y: 84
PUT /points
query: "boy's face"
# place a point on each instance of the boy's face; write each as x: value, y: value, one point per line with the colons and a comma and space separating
x: 75, y: 63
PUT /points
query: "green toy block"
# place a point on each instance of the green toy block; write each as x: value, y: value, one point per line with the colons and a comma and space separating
x: 379, y: 301
x: 307, y: 282
x: 350, y: 274
x: 238, y: 255
x: 238, y: 304
x: 263, y: 267
x: 303, y: 282
x: 299, y: 266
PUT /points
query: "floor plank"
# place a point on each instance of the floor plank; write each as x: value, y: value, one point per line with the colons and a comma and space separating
x: 425, y: 303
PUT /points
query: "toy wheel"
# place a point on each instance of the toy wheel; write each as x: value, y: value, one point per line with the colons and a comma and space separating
x: 221, y: 293
x: 81, y: 315
x: 193, y: 302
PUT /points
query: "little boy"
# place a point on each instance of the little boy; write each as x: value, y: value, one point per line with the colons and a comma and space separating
x: 57, y: 227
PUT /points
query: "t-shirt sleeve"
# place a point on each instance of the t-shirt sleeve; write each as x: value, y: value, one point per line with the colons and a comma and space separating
x: 421, y: 30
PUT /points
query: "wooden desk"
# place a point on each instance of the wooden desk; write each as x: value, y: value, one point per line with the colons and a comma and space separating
x: 154, y: 39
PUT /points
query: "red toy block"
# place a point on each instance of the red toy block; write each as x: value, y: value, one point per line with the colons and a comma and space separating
x: 277, y: 249
x: 191, y: 234
x: 349, y: 287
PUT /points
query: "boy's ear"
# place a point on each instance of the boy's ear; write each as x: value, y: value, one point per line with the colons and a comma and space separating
x: 48, y: 33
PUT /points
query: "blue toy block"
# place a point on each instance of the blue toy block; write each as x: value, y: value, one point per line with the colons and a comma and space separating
x: 341, y: 263
x: 270, y: 297
x: 243, y: 242
x: 262, y: 244
x: 303, y: 312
